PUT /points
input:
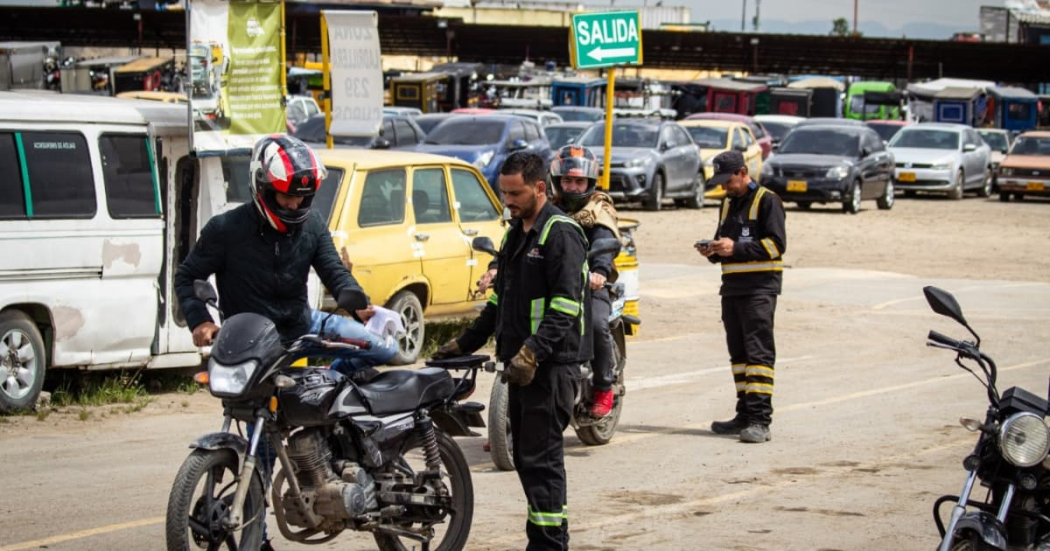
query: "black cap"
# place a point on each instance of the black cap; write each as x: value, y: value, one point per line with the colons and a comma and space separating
x: 726, y: 164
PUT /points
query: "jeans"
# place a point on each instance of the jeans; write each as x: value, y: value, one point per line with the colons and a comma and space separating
x: 381, y: 352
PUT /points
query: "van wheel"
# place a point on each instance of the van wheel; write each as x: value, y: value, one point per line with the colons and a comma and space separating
x: 696, y: 199
x: 406, y: 303
x: 22, y: 361
x: 956, y: 193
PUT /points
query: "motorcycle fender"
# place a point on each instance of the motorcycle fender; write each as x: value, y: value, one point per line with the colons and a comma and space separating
x: 986, y: 526
x: 222, y: 440
x: 456, y: 421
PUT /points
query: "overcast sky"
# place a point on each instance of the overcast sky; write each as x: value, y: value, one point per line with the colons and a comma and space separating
x: 891, y: 13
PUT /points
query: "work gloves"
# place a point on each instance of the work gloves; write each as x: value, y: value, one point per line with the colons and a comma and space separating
x: 522, y: 367
x: 448, y: 350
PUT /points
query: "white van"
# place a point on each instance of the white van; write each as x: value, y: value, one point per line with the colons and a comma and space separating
x: 99, y: 202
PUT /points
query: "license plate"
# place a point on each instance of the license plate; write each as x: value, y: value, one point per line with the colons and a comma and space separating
x: 1035, y: 186
x: 906, y: 177
x: 799, y: 186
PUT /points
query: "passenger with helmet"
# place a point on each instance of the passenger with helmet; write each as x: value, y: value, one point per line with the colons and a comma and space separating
x: 261, y: 254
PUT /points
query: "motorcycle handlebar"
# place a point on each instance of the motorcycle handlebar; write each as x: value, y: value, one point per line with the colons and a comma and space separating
x: 943, y: 339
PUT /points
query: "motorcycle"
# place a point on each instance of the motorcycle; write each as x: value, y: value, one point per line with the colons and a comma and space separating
x: 1010, y: 458
x: 590, y: 430
x: 373, y: 457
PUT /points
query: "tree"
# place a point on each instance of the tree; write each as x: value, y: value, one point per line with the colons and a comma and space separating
x: 840, y: 27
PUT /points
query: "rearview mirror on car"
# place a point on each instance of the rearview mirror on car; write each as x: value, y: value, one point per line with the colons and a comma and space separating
x: 518, y: 145
x: 969, y: 147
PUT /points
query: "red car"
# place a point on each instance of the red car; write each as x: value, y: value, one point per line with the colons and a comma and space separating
x: 765, y: 140
x: 886, y: 129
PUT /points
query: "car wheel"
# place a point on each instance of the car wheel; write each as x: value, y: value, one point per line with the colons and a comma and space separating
x: 852, y: 203
x: 804, y: 205
x: 696, y: 200
x: 956, y: 193
x: 22, y: 361
x: 886, y: 201
x: 656, y: 193
x: 986, y: 186
x: 1004, y: 197
x: 406, y: 303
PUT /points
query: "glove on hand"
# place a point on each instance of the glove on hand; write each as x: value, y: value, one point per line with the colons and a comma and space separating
x: 522, y: 367
x: 448, y: 350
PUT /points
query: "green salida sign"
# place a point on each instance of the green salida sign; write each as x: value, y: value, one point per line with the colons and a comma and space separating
x: 605, y: 39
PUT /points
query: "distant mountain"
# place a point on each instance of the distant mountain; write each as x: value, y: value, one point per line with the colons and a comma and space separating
x: 873, y: 29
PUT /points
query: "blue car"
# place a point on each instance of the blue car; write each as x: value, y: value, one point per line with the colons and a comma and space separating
x: 485, y: 141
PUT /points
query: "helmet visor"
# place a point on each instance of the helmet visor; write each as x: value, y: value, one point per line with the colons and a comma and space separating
x: 575, y: 166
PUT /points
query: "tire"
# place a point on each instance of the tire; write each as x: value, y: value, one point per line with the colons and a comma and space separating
x: 851, y: 204
x: 969, y: 541
x: 956, y: 193
x: 602, y: 432
x: 204, y: 466
x: 23, y: 361
x: 453, y: 533
x: 696, y: 200
x: 804, y: 205
x: 501, y: 447
x: 656, y: 193
x: 986, y: 186
x: 1004, y: 197
x: 885, y: 202
x: 410, y: 344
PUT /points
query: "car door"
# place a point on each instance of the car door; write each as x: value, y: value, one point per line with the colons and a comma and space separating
x: 752, y: 152
x: 691, y: 161
x: 437, y: 237
x: 670, y: 157
x: 478, y: 213
x: 974, y: 158
x: 873, y: 165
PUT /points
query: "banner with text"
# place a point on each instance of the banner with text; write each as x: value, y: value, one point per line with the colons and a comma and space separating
x: 234, y: 54
x: 357, y: 72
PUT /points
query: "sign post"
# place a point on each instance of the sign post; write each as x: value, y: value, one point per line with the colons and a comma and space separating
x: 606, y: 39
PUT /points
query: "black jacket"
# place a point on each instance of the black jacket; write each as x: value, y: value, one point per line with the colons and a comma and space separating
x: 539, y: 295
x: 260, y: 270
x: 603, y: 263
x: 755, y: 223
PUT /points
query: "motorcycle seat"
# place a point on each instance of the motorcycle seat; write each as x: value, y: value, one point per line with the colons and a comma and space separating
x: 404, y: 390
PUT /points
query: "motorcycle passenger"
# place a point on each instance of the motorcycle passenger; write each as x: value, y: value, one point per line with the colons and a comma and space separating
x: 537, y: 313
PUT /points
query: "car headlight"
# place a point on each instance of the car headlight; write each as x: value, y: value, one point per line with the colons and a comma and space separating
x: 942, y: 166
x: 484, y: 159
x: 637, y: 162
x: 229, y: 379
x: 1024, y: 439
x: 837, y: 173
x: 1006, y: 172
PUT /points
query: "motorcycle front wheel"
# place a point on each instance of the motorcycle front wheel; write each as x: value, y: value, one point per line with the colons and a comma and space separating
x: 200, y: 500
x: 452, y: 533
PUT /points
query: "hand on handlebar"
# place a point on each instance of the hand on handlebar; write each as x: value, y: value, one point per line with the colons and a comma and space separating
x: 597, y: 281
x: 486, y: 280
x: 204, y: 333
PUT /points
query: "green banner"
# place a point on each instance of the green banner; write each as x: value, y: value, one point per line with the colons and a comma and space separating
x: 254, y: 87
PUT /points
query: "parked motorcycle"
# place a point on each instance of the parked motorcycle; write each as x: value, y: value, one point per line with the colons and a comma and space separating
x: 1010, y: 458
x: 376, y: 457
x: 590, y: 430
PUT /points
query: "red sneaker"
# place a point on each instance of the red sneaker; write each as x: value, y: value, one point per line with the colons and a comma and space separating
x: 603, y: 402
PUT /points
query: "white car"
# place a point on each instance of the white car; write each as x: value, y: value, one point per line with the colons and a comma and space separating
x: 949, y: 158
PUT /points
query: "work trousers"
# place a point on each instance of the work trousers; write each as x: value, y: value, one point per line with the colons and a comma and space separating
x: 539, y: 414
x: 602, y: 363
x: 748, y: 321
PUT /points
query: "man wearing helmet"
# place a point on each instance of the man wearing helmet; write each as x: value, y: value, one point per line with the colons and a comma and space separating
x: 261, y: 254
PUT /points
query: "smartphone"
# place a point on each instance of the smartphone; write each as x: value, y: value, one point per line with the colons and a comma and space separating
x: 703, y: 243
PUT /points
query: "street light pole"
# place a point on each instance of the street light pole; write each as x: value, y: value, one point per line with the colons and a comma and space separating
x: 743, y: 16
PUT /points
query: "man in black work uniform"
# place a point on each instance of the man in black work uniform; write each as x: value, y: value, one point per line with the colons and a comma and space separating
x: 537, y: 314
x: 749, y: 243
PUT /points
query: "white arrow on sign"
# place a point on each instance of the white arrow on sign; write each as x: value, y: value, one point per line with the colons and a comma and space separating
x: 600, y: 54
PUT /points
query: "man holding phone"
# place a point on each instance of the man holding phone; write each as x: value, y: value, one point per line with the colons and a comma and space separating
x: 749, y: 243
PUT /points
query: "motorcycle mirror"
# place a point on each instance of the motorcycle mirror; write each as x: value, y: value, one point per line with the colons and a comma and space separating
x: 204, y: 291
x: 483, y: 244
x: 603, y: 246
x: 943, y: 303
x: 352, y: 300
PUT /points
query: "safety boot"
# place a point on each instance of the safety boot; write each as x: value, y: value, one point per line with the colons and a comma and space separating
x: 732, y: 426
x: 756, y: 433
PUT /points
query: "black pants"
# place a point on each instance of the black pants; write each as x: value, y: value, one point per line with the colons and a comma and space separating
x: 602, y: 363
x: 539, y: 414
x: 748, y: 321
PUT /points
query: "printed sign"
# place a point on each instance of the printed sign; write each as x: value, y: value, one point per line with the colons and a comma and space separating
x: 606, y: 39
x: 357, y: 72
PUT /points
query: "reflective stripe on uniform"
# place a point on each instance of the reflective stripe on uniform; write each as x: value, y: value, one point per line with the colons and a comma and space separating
x: 745, y: 267
x: 753, y: 214
x: 565, y: 306
x: 741, y: 386
x: 549, y: 519
x: 771, y: 247
x: 494, y: 299
x: 554, y: 220
x: 739, y: 369
x: 760, y: 371
x: 536, y: 312
x: 759, y: 388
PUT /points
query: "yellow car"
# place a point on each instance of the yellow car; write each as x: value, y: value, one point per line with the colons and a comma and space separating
x: 166, y: 97
x: 714, y: 137
x: 406, y: 221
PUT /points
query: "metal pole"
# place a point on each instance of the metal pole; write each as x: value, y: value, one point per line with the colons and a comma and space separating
x: 855, y: 17
x: 326, y: 76
x: 610, y: 92
x: 743, y: 16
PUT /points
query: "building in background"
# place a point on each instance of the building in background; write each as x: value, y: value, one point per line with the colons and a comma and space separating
x: 552, y: 14
x: 1019, y: 21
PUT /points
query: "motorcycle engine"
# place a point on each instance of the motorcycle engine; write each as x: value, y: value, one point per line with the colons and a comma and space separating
x: 330, y: 499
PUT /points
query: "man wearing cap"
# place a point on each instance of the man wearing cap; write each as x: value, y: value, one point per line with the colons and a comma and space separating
x: 749, y: 242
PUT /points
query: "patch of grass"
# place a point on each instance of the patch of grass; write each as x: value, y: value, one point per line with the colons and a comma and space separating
x: 4, y: 419
x: 84, y: 415
x: 97, y: 389
x: 42, y: 414
x: 166, y: 381
x: 138, y: 405
x: 185, y: 404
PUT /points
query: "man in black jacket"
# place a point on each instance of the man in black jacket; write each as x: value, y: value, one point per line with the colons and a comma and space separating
x: 749, y: 243
x: 537, y: 313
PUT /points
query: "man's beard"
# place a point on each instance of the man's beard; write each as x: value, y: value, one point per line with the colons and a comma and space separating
x: 526, y: 211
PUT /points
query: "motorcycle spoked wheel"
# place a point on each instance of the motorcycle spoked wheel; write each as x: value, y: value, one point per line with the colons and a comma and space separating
x: 452, y: 531
x: 598, y: 432
x: 200, y: 499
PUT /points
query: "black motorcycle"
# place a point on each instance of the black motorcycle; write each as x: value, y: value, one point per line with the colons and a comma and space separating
x: 375, y: 457
x: 1010, y: 458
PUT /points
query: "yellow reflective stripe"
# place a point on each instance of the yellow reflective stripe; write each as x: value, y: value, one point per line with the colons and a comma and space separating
x: 548, y: 519
x: 536, y: 315
x: 753, y: 214
x: 741, y: 387
x: 760, y: 266
x: 565, y: 306
x: 555, y: 219
x: 494, y: 299
x: 759, y: 388
x: 725, y: 211
x: 760, y: 371
x: 739, y: 368
x: 771, y: 248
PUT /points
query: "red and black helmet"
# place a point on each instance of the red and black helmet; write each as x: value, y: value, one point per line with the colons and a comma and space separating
x: 575, y: 160
x: 284, y: 164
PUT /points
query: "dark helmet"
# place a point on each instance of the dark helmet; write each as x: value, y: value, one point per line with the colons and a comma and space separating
x: 281, y: 163
x: 574, y: 160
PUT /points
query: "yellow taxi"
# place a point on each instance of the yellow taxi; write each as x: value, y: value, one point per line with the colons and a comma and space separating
x: 405, y: 221
x: 166, y: 97
x: 714, y: 137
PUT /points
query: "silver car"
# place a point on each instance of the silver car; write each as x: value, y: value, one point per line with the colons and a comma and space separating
x: 949, y: 158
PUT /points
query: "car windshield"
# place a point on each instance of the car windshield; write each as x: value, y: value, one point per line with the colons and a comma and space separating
x: 561, y: 135
x: 708, y: 137
x: 467, y: 132
x: 921, y: 138
x: 779, y: 130
x: 428, y: 124
x: 995, y: 140
x: 821, y: 141
x: 579, y: 116
x: 885, y: 131
x: 1031, y: 145
x: 623, y: 135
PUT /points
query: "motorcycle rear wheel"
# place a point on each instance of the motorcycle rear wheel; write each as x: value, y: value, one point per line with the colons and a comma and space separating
x: 601, y: 432
x: 196, y: 511
x: 501, y: 448
x: 452, y: 534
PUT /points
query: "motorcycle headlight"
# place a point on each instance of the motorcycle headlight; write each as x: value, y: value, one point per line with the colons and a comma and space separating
x: 1024, y: 439
x: 229, y: 379
x: 837, y: 173
x: 942, y: 166
x: 484, y: 159
x: 637, y: 162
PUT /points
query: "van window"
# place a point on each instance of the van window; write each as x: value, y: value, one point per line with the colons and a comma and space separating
x: 127, y: 171
x: 430, y: 196
x: 12, y: 195
x: 325, y: 196
x: 473, y: 203
x: 61, y: 181
x: 236, y: 174
x: 382, y: 198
